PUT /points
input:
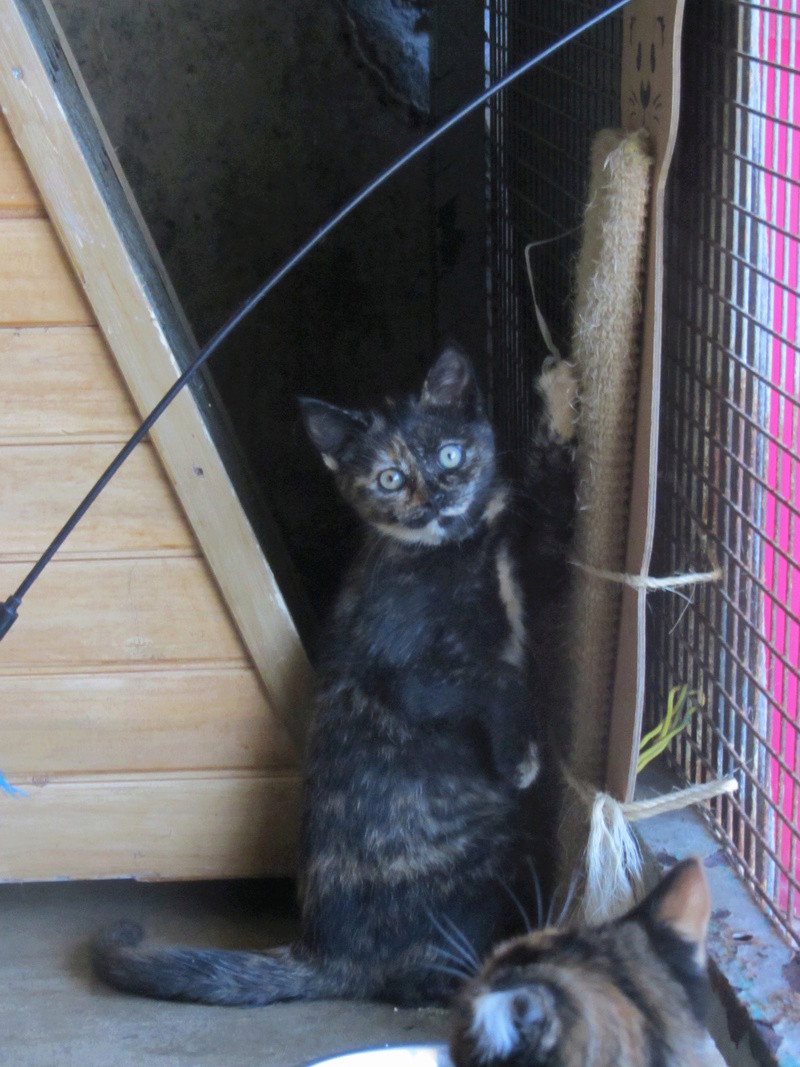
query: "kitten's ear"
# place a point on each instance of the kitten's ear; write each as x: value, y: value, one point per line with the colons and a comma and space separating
x: 682, y: 903
x: 451, y: 382
x: 331, y: 428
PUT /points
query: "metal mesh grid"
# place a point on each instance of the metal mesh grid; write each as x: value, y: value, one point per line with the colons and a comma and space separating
x: 728, y: 464
x: 540, y: 135
x: 729, y: 469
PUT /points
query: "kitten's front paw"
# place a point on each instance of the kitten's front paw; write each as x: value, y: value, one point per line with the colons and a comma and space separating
x: 528, y: 771
x: 558, y: 385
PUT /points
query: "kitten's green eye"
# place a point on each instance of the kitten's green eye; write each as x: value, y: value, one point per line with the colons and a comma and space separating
x: 391, y: 479
x: 451, y: 456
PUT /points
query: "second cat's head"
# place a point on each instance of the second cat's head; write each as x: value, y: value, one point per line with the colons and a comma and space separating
x: 628, y: 993
x: 422, y: 469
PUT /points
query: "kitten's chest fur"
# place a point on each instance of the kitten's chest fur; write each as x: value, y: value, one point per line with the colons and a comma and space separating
x: 454, y: 608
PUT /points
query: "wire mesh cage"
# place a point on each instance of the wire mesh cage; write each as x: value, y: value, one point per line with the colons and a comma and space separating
x: 728, y: 464
x: 540, y: 135
x: 729, y: 474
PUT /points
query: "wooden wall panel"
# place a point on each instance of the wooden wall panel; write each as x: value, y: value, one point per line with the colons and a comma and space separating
x: 40, y: 485
x: 18, y: 194
x: 59, y: 382
x: 130, y: 711
x: 90, y: 205
x: 152, y: 827
x: 106, y: 613
x: 201, y: 719
x: 37, y: 286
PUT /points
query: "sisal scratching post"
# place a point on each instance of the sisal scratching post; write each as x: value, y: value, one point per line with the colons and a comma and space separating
x: 606, y: 327
x: 619, y: 281
x: 605, y: 345
x: 596, y: 836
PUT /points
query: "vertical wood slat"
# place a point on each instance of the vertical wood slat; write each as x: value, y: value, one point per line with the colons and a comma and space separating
x: 650, y: 98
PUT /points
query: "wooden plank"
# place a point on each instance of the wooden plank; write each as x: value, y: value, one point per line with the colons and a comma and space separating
x: 40, y: 485
x: 18, y: 194
x: 98, y: 613
x: 37, y: 285
x: 61, y: 382
x: 143, y: 721
x: 79, y: 179
x: 227, y: 826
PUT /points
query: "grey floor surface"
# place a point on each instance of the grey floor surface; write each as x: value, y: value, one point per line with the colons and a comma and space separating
x: 54, y: 1014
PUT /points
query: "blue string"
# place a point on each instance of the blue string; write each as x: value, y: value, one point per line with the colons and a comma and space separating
x: 12, y: 790
x: 8, y: 610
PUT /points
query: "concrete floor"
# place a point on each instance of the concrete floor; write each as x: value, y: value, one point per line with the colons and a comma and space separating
x: 52, y: 1011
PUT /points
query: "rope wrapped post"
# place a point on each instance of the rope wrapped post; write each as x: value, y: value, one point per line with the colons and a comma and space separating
x: 605, y: 351
x: 606, y: 323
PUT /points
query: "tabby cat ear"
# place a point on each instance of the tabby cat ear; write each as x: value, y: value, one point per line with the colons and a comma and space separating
x: 451, y: 381
x: 682, y: 903
x: 331, y: 428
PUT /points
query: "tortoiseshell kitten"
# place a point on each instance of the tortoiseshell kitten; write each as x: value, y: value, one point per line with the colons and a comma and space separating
x: 630, y: 993
x: 421, y: 812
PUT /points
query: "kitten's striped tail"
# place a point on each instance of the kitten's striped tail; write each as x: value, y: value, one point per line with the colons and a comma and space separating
x: 211, y: 976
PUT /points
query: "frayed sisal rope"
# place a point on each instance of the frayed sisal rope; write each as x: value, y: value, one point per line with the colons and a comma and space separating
x: 642, y: 581
x: 613, y: 860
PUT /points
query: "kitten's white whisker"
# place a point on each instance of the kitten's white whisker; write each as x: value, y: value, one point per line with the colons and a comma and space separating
x: 571, y: 890
x: 464, y: 940
x: 457, y: 961
x: 517, y: 904
x: 457, y: 947
x: 537, y: 885
x: 457, y: 940
x: 440, y: 968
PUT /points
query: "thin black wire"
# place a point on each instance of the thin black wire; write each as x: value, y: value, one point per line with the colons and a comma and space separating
x: 8, y: 610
